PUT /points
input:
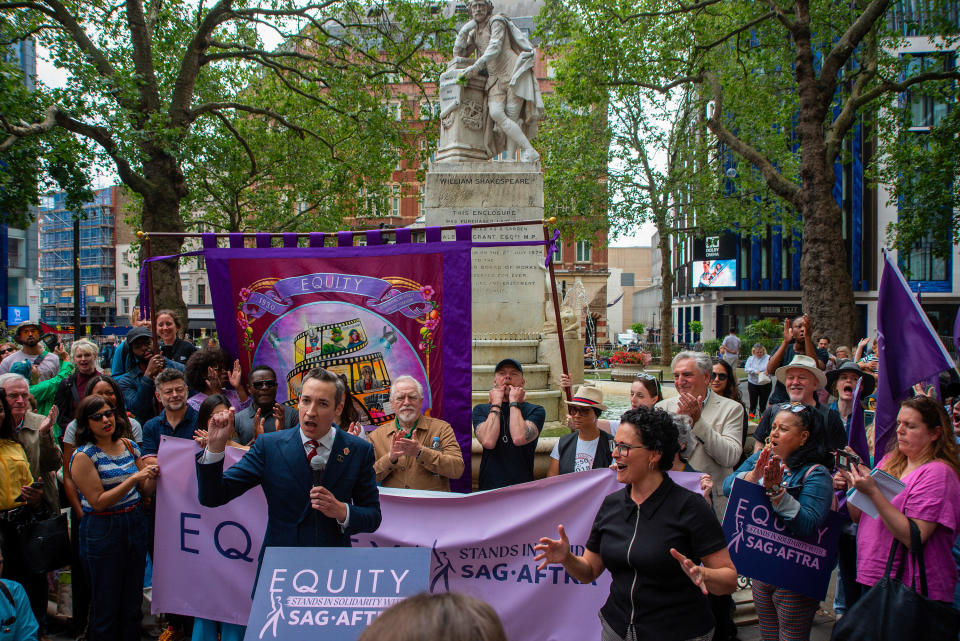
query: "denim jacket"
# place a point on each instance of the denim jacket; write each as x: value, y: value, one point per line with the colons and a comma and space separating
x: 807, y: 501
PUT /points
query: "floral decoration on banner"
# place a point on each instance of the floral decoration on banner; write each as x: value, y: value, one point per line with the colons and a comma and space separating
x: 431, y: 323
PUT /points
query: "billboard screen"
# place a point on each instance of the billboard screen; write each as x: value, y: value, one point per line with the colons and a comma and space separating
x: 716, y: 273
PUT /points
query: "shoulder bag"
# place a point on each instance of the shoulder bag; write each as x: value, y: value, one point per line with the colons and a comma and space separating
x: 892, y: 611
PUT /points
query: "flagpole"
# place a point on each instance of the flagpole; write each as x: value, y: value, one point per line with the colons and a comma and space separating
x: 556, y: 302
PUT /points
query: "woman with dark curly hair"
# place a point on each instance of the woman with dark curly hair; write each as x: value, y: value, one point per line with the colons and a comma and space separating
x: 636, y: 532
x: 208, y: 372
x: 795, y: 473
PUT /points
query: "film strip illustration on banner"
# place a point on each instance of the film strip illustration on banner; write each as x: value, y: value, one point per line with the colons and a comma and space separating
x: 366, y: 375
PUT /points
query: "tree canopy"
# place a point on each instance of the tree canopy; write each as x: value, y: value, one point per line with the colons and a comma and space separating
x: 195, y: 114
x: 778, y: 88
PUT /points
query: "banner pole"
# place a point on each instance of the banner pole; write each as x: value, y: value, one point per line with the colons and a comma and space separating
x: 548, y: 250
x: 150, y: 296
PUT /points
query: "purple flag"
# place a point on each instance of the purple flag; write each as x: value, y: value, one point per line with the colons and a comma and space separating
x: 956, y: 333
x: 908, y: 349
x: 857, y: 436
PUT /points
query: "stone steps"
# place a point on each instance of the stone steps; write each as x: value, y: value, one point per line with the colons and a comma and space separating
x: 535, y: 375
x: 491, y: 352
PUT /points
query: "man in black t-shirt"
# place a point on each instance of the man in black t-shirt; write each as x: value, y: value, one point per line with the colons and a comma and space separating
x: 797, y: 339
x: 507, y: 428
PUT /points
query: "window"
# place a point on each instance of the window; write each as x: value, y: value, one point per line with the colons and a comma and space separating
x: 125, y: 306
x: 395, y: 200
x: 627, y: 279
x: 15, y: 257
x: 125, y: 279
x: 558, y: 253
x: 922, y: 264
x: 583, y: 251
x: 927, y: 107
x: 201, y: 293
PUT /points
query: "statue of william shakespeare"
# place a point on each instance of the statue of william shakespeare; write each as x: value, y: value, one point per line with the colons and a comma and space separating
x: 491, y: 104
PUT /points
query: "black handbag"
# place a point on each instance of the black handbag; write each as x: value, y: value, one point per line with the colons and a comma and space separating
x: 45, y: 544
x: 892, y: 611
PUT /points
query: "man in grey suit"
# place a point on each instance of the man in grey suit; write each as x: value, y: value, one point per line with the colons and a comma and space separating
x: 264, y: 408
x: 717, y: 421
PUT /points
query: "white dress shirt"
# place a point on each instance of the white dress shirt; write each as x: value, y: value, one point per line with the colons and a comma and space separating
x: 318, y: 462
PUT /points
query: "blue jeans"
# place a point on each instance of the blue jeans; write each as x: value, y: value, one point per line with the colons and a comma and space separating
x: 114, y: 549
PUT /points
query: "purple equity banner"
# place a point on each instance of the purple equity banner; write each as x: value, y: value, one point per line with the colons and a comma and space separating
x: 480, y: 544
x: 762, y: 547
x: 368, y: 314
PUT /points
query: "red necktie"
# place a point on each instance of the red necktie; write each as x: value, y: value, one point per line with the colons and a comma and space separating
x: 313, y: 452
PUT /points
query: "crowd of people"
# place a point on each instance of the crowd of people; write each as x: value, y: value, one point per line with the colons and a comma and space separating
x: 72, y: 434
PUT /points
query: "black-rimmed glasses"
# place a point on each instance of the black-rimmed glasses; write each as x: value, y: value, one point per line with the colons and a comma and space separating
x: 99, y: 416
x: 263, y: 384
x: 623, y: 449
x: 720, y: 376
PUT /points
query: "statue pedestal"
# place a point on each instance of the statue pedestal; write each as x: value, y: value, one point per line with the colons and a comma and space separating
x: 507, y: 282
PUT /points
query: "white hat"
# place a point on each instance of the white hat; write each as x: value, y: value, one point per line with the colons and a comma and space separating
x: 802, y: 362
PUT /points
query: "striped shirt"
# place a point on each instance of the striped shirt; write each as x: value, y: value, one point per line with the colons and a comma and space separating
x: 113, y: 471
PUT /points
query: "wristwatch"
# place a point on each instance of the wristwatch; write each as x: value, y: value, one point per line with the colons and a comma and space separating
x: 514, y: 404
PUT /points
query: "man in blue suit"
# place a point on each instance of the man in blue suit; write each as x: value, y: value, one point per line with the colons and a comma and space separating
x: 318, y: 479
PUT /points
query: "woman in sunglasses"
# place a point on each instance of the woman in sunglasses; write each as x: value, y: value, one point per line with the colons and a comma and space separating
x: 793, y: 470
x: 636, y: 532
x: 588, y: 447
x: 110, y: 476
x: 723, y: 382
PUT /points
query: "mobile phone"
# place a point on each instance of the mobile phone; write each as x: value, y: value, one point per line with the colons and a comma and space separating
x: 35, y: 485
x: 846, y: 460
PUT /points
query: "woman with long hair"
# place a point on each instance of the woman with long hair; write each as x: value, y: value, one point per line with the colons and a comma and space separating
x: 111, y: 477
x: 924, y: 457
x: 795, y: 473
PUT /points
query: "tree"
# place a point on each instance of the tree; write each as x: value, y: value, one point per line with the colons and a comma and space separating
x: 156, y: 88
x: 38, y: 165
x: 779, y: 87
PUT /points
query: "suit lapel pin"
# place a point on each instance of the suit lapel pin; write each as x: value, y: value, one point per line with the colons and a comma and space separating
x: 346, y: 451
x: 339, y: 458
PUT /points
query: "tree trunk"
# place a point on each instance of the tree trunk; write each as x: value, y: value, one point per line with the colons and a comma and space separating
x: 824, y: 276
x: 666, y: 292
x: 827, y: 290
x: 161, y: 213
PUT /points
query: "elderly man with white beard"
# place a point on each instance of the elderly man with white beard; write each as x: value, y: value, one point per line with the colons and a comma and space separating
x: 802, y: 378
x: 415, y: 451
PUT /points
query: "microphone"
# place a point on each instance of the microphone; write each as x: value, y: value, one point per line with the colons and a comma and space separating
x: 317, y: 476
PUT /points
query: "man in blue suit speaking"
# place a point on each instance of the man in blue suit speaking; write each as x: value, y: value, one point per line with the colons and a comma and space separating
x: 318, y: 480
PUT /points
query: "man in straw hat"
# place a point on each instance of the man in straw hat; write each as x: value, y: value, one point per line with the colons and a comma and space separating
x: 802, y: 378
x: 587, y: 447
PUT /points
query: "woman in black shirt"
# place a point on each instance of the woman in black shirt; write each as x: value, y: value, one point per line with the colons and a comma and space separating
x: 169, y: 330
x: 652, y: 536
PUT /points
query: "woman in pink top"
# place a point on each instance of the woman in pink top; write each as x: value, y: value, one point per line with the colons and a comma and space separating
x: 924, y: 457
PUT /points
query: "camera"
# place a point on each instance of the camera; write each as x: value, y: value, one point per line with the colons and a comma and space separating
x: 846, y: 460
x: 51, y: 340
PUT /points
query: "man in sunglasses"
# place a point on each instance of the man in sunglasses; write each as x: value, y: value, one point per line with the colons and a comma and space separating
x: 802, y: 377
x: 264, y: 409
x: 33, y: 351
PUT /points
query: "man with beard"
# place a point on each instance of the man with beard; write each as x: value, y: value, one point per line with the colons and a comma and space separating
x: 177, y: 418
x: 137, y: 385
x: 264, y: 410
x: 45, y: 363
x: 508, y: 433
x: 405, y: 453
x: 802, y: 378
x: 797, y: 339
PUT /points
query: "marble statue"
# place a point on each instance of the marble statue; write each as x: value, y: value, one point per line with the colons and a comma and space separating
x: 490, y: 104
